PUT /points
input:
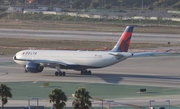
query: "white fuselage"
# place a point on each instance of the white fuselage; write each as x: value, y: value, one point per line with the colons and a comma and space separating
x: 91, y: 59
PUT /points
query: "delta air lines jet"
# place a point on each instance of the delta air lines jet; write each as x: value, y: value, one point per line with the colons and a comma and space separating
x: 35, y: 60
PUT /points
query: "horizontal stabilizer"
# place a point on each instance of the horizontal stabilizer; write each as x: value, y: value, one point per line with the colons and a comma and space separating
x: 121, y: 54
x: 141, y: 54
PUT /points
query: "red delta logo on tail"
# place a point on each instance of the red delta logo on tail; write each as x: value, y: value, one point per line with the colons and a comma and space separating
x: 124, y: 41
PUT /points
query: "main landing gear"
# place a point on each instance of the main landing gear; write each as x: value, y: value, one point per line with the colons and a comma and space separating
x: 85, y: 72
x: 59, y: 72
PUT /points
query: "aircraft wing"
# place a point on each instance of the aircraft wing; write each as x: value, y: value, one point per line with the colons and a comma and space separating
x: 141, y: 54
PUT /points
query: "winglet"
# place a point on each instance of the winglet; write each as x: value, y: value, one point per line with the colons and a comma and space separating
x: 124, y: 41
x: 167, y: 51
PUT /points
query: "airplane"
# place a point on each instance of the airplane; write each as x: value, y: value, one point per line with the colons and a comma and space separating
x: 34, y: 61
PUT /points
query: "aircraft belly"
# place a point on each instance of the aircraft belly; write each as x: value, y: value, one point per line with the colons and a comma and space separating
x: 110, y: 61
x: 96, y: 62
x: 21, y: 62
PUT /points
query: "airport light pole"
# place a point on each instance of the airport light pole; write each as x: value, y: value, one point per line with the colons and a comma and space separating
x: 168, y: 103
x: 109, y: 101
x: 32, y: 98
x: 25, y: 4
x: 142, y: 5
x: 102, y: 4
x: 71, y: 4
x: 150, y: 102
x: 65, y: 3
x: 102, y: 103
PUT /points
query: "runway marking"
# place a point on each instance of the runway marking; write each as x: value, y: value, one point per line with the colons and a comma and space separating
x: 35, y: 82
x: 171, y: 89
x: 84, y: 83
x: 3, y: 73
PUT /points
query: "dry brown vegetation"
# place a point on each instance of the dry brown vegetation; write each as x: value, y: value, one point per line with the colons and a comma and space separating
x: 12, y: 45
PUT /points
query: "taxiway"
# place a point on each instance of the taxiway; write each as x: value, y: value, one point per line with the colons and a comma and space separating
x: 92, y: 36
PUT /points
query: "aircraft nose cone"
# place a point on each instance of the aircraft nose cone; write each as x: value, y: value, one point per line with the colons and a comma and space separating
x: 14, y: 57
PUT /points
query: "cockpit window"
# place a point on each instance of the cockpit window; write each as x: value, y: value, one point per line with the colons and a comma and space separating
x: 14, y: 58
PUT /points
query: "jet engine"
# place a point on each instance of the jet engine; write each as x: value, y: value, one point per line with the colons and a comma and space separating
x: 34, y: 67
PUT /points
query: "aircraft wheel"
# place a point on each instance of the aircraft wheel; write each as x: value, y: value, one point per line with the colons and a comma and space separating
x: 60, y: 73
x: 56, y: 73
x: 89, y: 72
x: 83, y: 72
x: 64, y: 73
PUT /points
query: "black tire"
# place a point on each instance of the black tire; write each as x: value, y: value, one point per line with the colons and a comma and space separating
x: 64, y: 73
x: 60, y: 73
x: 56, y: 73
x: 82, y: 72
x: 89, y: 72
x: 86, y: 72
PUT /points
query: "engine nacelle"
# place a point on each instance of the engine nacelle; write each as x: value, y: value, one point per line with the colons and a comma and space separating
x: 34, y: 67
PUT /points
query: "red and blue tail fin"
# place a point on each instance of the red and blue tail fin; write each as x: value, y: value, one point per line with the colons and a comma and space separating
x: 124, y: 41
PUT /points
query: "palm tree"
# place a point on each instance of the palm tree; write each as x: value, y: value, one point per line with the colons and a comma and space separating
x: 82, y: 99
x: 5, y: 92
x: 58, y: 98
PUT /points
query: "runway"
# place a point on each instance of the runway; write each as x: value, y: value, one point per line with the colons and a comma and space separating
x: 162, y: 71
x: 86, y: 35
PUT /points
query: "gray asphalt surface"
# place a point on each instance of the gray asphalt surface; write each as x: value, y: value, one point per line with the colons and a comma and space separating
x: 146, y: 71
x: 93, y: 36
